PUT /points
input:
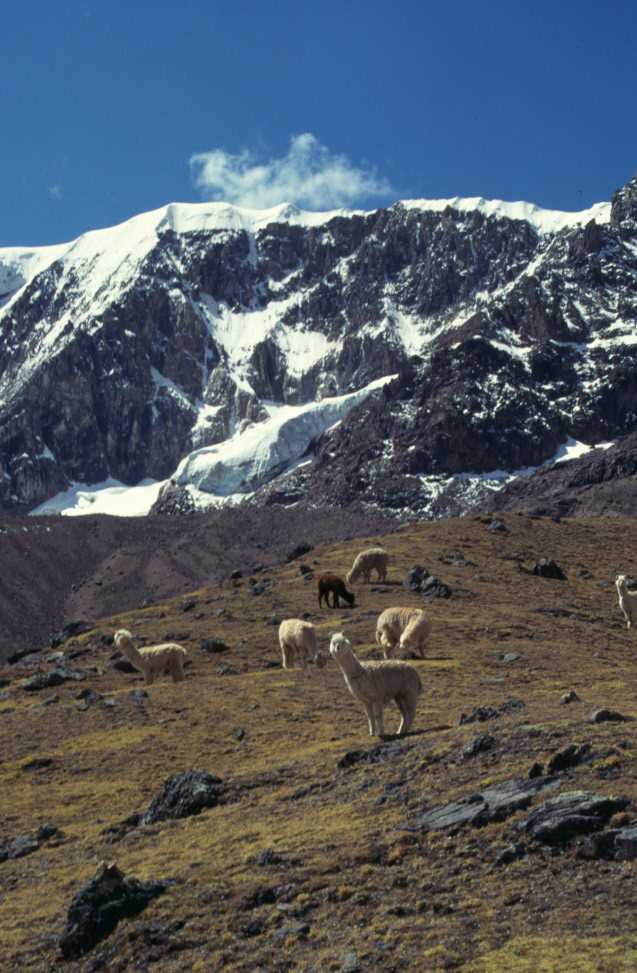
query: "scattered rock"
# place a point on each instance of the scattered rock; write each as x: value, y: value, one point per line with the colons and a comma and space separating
x: 188, y: 605
x: 305, y: 569
x: 18, y: 847
x: 299, y: 551
x: 38, y: 763
x: 236, y: 575
x: 547, y: 568
x: 269, y: 857
x: 55, y: 677
x: 214, y: 646
x: 97, y: 908
x: 480, y: 744
x: 570, y: 756
x: 349, y: 963
x: 48, y: 831
x: 510, y: 853
x: 225, y: 670
x: 495, y: 803
x: 76, y: 627
x: 377, y: 754
x: 239, y: 733
x: 569, y: 697
x: 537, y: 770
x: 510, y: 657
x: 483, y: 713
x: 121, y: 664
x: 138, y: 695
x: 419, y: 580
x: 572, y: 813
x: 258, y: 589
x: 498, y: 526
x: 89, y: 696
x: 608, y: 716
x: 183, y: 795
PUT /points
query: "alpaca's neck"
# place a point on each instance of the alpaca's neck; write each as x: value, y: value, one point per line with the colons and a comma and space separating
x: 350, y: 665
x: 129, y: 650
x: 622, y: 587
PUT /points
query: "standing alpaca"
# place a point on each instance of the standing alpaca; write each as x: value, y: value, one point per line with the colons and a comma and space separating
x: 378, y: 683
x: 373, y: 559
x: 627, y: 600
x: 297, y: 639
x: 153, y: 660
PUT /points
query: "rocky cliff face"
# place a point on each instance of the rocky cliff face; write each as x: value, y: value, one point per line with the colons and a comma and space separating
x: 509, y: 329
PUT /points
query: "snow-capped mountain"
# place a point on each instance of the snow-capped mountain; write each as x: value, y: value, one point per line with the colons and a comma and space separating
x: 210, y: 347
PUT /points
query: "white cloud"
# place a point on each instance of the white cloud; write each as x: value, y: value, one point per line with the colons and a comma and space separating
x: 308, y: 175
x: 55, y: 191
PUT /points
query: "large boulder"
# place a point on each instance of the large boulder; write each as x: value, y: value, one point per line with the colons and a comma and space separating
x: 99, y: 905
x: 183, y: 795
x: 572, y: 813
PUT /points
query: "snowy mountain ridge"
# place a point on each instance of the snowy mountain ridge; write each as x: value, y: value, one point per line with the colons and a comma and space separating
x: 157, y: 349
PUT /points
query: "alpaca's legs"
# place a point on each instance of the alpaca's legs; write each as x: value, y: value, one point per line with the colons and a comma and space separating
x: 378, y: 719
x: 286, y: 656
x: 177, y: 670
x: 407, y: 707
x: 370, y: 718
x: 149, y: 676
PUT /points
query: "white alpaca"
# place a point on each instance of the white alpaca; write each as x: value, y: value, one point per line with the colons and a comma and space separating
x: 373, y: 559
x: 153, y: 660
x: 378, y: 683
x: 404, y: 627
x: 298, y: 643
x: 627, y: 600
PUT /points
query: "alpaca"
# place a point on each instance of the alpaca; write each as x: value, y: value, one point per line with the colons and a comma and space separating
x: 373, y: 559
x: 298, y: 643
x: 378, y: 683
x: 331, y: 583
x: 627, y: 600
x: 153, y: 660
x: 404, y: 627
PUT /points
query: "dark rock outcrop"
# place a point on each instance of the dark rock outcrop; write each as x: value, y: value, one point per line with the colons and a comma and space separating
x: 495, y: 803
x: 99, y: 905
x: 561, y: 818
x: 183, y: 795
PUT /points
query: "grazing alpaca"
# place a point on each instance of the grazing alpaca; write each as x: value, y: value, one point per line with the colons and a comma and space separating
x: 373, y: 559
x: 404, y: 627
x: 153, y: 660
x: 378, y: 683
x: 298, y: 643
x: 331, y: 583
x: 627, y: 600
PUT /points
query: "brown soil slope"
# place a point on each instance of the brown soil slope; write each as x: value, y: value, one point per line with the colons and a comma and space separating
x: 347, y: 886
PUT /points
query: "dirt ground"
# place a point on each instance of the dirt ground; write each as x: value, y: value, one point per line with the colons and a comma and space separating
x: 312, y: 862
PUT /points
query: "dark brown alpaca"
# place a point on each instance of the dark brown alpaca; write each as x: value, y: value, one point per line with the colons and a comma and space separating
x: 331, y: 583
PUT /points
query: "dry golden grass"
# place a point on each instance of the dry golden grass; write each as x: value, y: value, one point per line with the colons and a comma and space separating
x: 401, y: 901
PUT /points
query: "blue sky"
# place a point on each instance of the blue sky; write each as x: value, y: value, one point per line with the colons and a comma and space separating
x: 112, y: 109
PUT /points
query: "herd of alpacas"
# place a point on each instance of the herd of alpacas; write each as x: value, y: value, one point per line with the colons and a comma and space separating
x: 375, y: 683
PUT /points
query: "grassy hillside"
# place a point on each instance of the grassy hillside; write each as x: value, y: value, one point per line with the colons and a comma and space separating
x: 307, y: 865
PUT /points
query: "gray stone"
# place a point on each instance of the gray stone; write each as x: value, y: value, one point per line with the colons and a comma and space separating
x: 608, y: 716
x: 183, y: 795
x: 99, y: 905
x: 495, y: 803
x: 572, y: 813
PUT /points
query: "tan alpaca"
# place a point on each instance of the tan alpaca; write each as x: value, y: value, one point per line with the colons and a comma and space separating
x: 407, y: 628
x: 373, y: 559
x: 153, y: 660
x: 378, y: 683
x: 298, y: 643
